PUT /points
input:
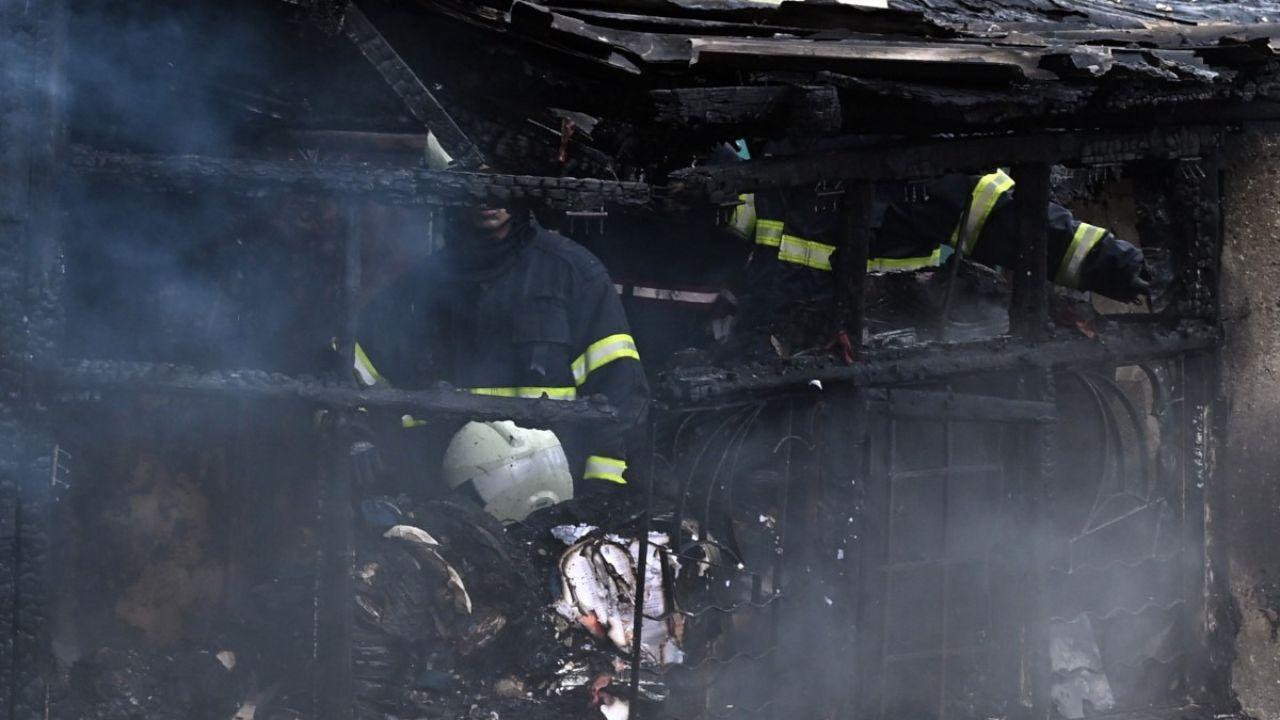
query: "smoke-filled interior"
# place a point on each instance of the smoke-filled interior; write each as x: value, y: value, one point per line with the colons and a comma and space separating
x: 968, y: 484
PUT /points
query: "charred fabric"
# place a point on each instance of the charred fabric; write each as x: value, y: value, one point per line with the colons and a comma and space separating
x: 914, y: 446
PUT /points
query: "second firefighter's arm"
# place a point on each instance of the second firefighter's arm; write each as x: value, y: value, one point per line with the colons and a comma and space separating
x: 1081, y: 256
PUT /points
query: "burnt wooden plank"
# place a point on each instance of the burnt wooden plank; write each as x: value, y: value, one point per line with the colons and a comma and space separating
x: 911, y: 60
x: 894, y: 368
x: 795, y: 109
x: 936, y: 157
x: 417, y: 98
x: 599, y: 40
x: 396, y: 186
x: 85, y: 380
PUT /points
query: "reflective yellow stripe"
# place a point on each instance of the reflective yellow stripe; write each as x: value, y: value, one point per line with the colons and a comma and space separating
x: 601, y: 353
x: 905, y: 264
x: 743, y: 220
x: 985, y: 194
x: 768, y: 232
x: 365, y: 371
x: 809, y: 253
x: 409, y: 421
x: 555, y: 393
x: 605, y: 468
x: 1082, y: 242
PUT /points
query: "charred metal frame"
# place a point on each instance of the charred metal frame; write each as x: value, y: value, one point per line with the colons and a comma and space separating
x: 35, y: 375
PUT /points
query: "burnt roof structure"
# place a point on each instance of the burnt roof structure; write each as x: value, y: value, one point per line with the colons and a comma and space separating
x: 651, y: 76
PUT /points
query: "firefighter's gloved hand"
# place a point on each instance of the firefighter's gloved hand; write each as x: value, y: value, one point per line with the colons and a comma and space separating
x: 1116, y: 269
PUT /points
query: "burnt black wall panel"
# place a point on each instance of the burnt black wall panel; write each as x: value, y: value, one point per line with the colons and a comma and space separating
x: 31, y: 37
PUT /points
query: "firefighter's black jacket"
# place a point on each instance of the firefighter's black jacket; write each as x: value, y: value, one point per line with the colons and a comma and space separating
x: 541, y: 317
x: 797, y: 238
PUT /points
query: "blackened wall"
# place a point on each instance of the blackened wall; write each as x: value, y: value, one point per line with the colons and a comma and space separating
x: 1249, y: 457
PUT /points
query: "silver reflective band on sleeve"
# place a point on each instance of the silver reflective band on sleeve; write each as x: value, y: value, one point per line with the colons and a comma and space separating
x: 1085, y: 238
x: 605, y: 468
x: 670, y: 295
x: 985, y: 194
x: 601, y: 353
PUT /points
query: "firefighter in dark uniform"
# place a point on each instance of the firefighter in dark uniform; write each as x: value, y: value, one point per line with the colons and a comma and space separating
x: 795, y: 240
x: 676, y: 269
x: 674, y: 272
x: 510, y: 309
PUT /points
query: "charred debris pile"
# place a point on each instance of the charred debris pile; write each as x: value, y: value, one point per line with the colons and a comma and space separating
x: 953, y: 493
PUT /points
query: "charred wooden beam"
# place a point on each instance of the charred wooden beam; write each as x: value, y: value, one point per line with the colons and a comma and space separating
x: 796, y: 109
x: 851, y: 263
x: 85, y: 380
x: 1128, y: 342
x: 397, y: 186
x: 417, y: 98
x: 722, y: 183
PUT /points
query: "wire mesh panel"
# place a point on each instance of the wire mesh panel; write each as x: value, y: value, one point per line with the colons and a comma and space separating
x: 940, y: 545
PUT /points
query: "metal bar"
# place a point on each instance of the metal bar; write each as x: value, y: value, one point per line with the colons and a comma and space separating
x: 851, y: 265
x: 944, y: 659
x: 95, y: 376
x: 949, y: 406
x: 1130, y: 342
x: 723, y: 183
x: 393, y: 186
x: 1029, y: 305
x: 417, y: 98
x: 642, y: 563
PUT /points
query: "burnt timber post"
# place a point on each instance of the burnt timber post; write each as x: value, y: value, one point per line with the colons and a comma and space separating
x: 1197, y: 196
x: 1028, y: 319
x: 1029, y: 306
x: 851, y: 265
x: 32, y: 42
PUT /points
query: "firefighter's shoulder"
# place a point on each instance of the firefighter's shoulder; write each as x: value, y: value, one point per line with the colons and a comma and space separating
x: 571, y: 257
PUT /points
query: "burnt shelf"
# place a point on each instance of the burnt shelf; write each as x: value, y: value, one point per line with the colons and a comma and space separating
x: 923, y: 159
x: 395, y: 186
x: 84, y: 380
x: 905, y: 366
